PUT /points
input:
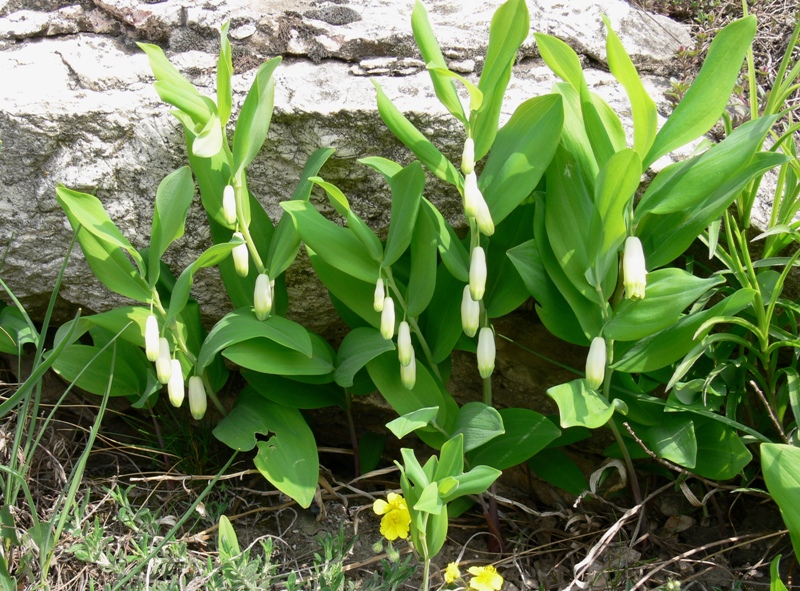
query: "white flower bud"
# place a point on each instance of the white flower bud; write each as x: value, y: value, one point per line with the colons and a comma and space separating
x: 229, y: 205
x: 470, y: 313
x: 380, y: 293
x: 408, y: 373
x: 241, y: 258
x: 405, y: 350
x: 387, y: 318
x: 486, y: 352
x: 175, y: 384
x: 262, y: 297
x: 163, y: 361
x: 596, y: 363
x: 484, y: 218
x: 197, y: 397
x: 477, y: 273
x: 634, y: 273
x: 468, y: 156
x: 151, y: 338
x: 472, y: 195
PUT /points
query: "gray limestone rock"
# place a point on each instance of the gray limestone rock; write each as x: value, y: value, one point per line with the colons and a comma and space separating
x: 78, y: 108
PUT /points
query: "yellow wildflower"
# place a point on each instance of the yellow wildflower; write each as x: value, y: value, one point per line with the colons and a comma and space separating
x: 451, y: 573
x: 396, y: 518
x: 485, y: 578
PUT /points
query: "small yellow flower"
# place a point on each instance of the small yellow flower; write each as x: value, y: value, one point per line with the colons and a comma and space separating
x: 485, y: 578
x: 451, y: 573
x: 396, y: 518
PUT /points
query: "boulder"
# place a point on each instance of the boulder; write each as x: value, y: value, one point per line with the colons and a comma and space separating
x: 79, y: 109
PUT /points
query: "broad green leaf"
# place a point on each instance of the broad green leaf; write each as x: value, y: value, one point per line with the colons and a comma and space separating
x: 436, y: 534
x: 429, y: 501
x: 422, y: 148
x: 478, y: 423
x: 173, y: 198
x: 643, y: 108
x: 505, y: 289
x: 208, y: 141
x: 242, y: 325
x: 683, y: 185
x: 432, y: 55
x: 358, y: 348
x: 684, y: 226
x: 603, y: 127
x: 706, y: 99
x: 510, y: 26
x: 674, y: 440
x: 667, y: 346
x: 15, y: 331
x: 443, y: 315
x: 422, y: 278
x: 357, y: 295
x: 562, y: 59
x: 410, y: 422
x: 407, y: 186
x: 285, y: 243
x: 721, y: 455
x: 388, y: 168
x: 224, y: 75
x: 520, y: 154
x: 337, y: 246
x: 526, y: 434
x: 295, y: 394
x: 580, y: 406
x: 254, y: 118
x: 414, y: 472
x: 668, y: 293
x: 552, y: 309
x: 454, y: 255
x: 775, y: 582
x: 359, y: 227
x: 130, y: 369
x: 427, y: 392
x: 193, y: 110
x: 474, y: 482
x: 180, y: 293
x: 560, y: 470
x: 128, y: 321
x: 288, y: 459
x: 475, y: 94
x: 780, y: 465
x: 267, y: 356
x: 574, y: 137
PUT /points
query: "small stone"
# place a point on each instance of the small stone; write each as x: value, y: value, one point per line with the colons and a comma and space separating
x: 243, y: 31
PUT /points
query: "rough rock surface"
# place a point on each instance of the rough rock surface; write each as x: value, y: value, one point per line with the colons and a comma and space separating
x: 78, y: 108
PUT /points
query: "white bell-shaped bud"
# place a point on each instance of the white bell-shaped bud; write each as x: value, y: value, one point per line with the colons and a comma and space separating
x: 477, y: 273
x: 472, y: 195
x: 596, y: 363
x: 175, y: 386
x: 468, y: 156
x: 486, y: 352
x: 241, y: 258
x: 634, y: 272
x: 197, y: 397
x: 470, y: 313
x: 484, y: 218
x: 387, y: 318
x: 262, y: 297
x: 229, y: 205
x: 380, y: 294
x: 151, y: 337
x: 405, y: 350
x: 163, y: 361
x: 408, y: 373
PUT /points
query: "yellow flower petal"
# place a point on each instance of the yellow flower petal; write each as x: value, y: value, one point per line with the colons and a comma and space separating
x: 485, y: 578
x: 395, y: 525
x: 451, y: 573
x: 381, y: 507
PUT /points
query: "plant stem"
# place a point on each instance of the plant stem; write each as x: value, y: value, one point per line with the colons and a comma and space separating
x: 426, y: 575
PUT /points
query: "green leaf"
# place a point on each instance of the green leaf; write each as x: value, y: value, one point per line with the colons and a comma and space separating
x: 413, y: 470
x: 335, y: 245
x: 775, y: 583
x: 780, y: 465
x: 454, y: 254
x: 432, y: 55
x: 130, y: 369
x: 265, y: 355
x: 560, y: 470
x: 478, y: 423
x: 357, y: 295
x: 674, y: 440
x: 180, y: 293
x: 427, y: 392
x: 443, y: 316
x: 227, y: 543
x: 668, y: 345
x: 474, y: 482
x: 410, y: 422
x: 510, y: 25
x: 451, y: 459
x: 505, y: 289
x: 580, y: 406
x: 288, y: 459
x: 422, y: 278
x: 562, y: 59
x: 358, y: 348
x: 643, y: 108
x: 388, y: 168
x: 668, y: 293
x: 295, y: 394
x: 422, y: 148
x: 603, y: 127
x: 209, y: 141
x: 721, y: 455
x: 706, y: 99
x: 284, y: 245
x: 242, y: 325
x: 224, y: 75
x: 526, y: 434
x: 173, y: 198
x: 520, y: 154
x: 254, y: 118
x: 407, y: 186
x: 475, y: 94
x: 429, y: 501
